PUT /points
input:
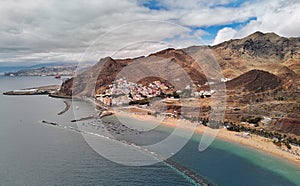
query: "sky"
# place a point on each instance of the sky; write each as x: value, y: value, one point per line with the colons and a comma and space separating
x: 87, y: 30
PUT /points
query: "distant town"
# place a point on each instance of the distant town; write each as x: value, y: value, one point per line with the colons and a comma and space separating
x: 64, y: 70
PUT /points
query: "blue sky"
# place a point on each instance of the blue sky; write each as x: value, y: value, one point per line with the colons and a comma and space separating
x: 154, y: 5
x: 212, y: 30
x: 157, y: 5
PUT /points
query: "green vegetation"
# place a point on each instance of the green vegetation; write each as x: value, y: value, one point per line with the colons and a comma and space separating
x: 279, y: 98
x: 260, y: 132
x: 277, y: 143
x: 253, y: 120
x: 176, y: 95
x: 287, y: 145
x: 277, y: 138
x: 139, y: 102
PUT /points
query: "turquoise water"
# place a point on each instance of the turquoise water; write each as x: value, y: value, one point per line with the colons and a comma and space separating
x: 231, y: 164
x: 267, y: 162
x: 226, y: 163
x: 263, y: 160
x: 36, y: 154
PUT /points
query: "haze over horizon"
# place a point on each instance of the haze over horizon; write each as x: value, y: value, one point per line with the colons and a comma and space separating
x: 47, y: 31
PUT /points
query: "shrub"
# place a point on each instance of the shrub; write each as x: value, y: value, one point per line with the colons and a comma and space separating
x: 254, y: 120
x: 288, y: 145
x: 139, y: 102
x: 176, y: 95
x: 278, y: 143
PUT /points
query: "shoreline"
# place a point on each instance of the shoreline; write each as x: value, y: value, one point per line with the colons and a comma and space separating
x: 42, y: 90
x: 253, y: 142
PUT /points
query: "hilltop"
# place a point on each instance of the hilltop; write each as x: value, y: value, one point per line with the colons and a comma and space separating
x: 265, y: 51
x: 255, y: 81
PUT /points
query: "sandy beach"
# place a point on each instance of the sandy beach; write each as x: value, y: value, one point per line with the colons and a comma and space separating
x: 253, y: 141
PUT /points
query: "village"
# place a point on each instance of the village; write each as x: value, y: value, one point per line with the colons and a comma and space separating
x: 123, y: 92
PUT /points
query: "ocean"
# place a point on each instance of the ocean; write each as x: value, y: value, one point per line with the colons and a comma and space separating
x: 32, y: 153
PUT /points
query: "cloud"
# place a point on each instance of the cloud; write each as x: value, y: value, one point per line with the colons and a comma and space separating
x: 224, y: 34
x: 215, y: 16
x: 191, y: 4
x: 67, y: 28
x: 62, y: 30
x: 140, y: 38
x: 281, y: 17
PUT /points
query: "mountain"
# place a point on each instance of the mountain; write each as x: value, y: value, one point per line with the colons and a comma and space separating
x: 60, y: 69
x: 255, y: 81
x: 160, y: 63
x: 268, y: 52
x: 18, y: 66
x: 263, y: 68
x: 262, y: 47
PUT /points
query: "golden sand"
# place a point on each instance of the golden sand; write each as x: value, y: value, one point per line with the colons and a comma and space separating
x: 253, y: 141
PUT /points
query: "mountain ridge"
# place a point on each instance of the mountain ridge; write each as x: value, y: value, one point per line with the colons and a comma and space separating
x: 263, y: 70
x: 235, y: 58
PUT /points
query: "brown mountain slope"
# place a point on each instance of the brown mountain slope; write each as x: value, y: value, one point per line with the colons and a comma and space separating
x: 291, y: 80
x: 262, y: 47
x: 97, y: 78
x: 267, y: 52
x: 287, y: 125
x: 168, y: 65
x: 257, y: 51
x: 255, y: 81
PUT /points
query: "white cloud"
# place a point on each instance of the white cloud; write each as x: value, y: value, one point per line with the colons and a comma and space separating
x: 39, y: 30
x: 215, y: 16
x: 30, y: 28
x: 281, y: 17
x: 225, y: 34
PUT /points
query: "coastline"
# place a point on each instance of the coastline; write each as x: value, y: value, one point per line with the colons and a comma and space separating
x: 254, y: 142
x: 41, y: 90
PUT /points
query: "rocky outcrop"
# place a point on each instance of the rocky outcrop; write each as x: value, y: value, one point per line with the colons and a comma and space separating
x: 257, y: 51
x: 262, y: 47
